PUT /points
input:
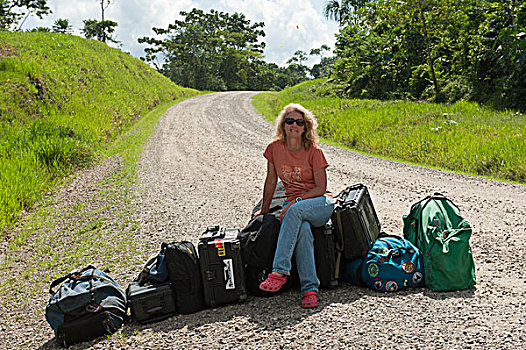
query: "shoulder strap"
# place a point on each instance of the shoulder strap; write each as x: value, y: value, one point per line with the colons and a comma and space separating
x: 339, y: 239
x: 72, y: 275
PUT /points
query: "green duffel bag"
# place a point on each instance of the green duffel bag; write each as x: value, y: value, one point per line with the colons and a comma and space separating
x: 436, y: 227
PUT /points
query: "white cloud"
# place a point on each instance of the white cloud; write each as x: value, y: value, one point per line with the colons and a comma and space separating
x: 136, y: 18
x: 289, y: 25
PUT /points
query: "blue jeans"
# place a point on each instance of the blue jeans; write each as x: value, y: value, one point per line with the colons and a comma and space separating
x: 295, y: 236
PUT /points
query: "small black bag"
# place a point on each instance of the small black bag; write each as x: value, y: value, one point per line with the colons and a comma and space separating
x: 185, y: 275
x: 154, y: 271
x: 327, y: 256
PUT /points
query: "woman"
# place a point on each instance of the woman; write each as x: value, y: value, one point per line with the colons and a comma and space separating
x: 294, y: 157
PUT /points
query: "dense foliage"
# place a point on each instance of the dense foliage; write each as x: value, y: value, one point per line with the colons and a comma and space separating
x: 220, y: 51
x: 443, y: 50
x: 210, y: 51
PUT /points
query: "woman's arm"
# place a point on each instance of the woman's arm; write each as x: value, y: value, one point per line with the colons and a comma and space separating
x: 320, y: 179
x: 268, y: 189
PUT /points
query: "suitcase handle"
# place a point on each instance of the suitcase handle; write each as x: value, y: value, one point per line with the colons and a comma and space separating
x: 212, y: 232
x: 154, y: 309
x: 342, y: 196
x: 212, y: 228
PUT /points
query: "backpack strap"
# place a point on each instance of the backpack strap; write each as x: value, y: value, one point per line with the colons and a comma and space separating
x: 337, y: 267
x: 339, y: 240
x: 75, y: 274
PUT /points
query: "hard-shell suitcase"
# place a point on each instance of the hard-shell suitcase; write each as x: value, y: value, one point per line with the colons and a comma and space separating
x: 326, y: 256
x: 151, y: 302
x: 184, y: 273
x: 355, y: 221
x: 221, y: 266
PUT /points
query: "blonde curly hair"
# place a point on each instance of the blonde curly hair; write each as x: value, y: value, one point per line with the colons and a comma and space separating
x: 309, y: 136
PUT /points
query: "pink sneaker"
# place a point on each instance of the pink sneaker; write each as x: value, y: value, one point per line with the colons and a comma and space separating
x: 273, y: 283
x: 309, y: 299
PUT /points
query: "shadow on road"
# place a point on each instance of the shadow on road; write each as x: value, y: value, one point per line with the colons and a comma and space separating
x: 269, y: 313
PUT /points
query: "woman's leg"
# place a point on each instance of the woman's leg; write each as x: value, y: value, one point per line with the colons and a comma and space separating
x: 305, y: 259
x: 315, y: 211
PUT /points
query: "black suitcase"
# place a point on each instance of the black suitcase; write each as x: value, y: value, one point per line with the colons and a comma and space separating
x: 326, y: 256
x: 355, y: 221
x: 185, y: 275
x: 221, y: 266
x: 151, y: 302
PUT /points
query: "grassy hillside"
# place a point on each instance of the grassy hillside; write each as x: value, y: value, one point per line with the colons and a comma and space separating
x: 62, y: 100
x: 462, y: 137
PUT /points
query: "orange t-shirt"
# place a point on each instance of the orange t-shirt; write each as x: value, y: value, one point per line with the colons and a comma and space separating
x: 295, y: 169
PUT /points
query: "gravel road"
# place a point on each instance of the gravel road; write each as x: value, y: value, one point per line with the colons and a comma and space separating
x: 204, y: 166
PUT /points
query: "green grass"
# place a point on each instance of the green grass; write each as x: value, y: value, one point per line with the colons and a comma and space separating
x: 63, y: 100
x: 99, y: 228
x: 461, y: 137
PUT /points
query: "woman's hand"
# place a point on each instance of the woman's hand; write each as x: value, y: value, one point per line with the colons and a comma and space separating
x: 259, y: 212
x: 284, y: 210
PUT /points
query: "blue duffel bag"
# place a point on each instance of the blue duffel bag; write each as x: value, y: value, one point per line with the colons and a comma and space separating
x: 393, y: 263
x: 88, y: 304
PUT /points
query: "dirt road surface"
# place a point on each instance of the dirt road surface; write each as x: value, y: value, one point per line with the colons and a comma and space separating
x: 204, y: 166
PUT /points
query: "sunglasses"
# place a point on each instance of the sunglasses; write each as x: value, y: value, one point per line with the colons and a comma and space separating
x: 299, y: 122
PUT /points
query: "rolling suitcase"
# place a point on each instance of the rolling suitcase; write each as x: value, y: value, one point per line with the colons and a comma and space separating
x: 355, y: 221
x: 151, y: 302
x: 326, y: 256
x: 221, y: 266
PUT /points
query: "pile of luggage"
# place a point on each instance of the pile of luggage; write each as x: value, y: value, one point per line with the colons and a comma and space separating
x: 229, y: 264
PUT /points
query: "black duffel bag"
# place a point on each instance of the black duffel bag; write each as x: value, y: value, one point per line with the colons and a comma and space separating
x: 258, y: 245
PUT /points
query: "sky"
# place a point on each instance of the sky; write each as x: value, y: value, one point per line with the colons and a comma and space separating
x: 290, y: 25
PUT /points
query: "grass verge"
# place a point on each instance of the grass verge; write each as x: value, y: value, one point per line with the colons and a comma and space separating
x: 75, y: 228
x: 462, y: 137
x: 63, y: 99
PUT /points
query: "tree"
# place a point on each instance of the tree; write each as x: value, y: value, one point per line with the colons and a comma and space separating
x: 102, y: 30
x: 13, y: 13
x: 341, y: 10
x: 319, y: 51
x: 209, y: 51
x: 62, y: 25
x: 336, y: 10
x: 299, y: 57
x: 39, y: 29
x: 103, y: 6
x: 323, y: 68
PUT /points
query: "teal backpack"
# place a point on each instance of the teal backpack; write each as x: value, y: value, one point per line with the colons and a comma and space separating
x: 392, y: 264
x: 436, y: 227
